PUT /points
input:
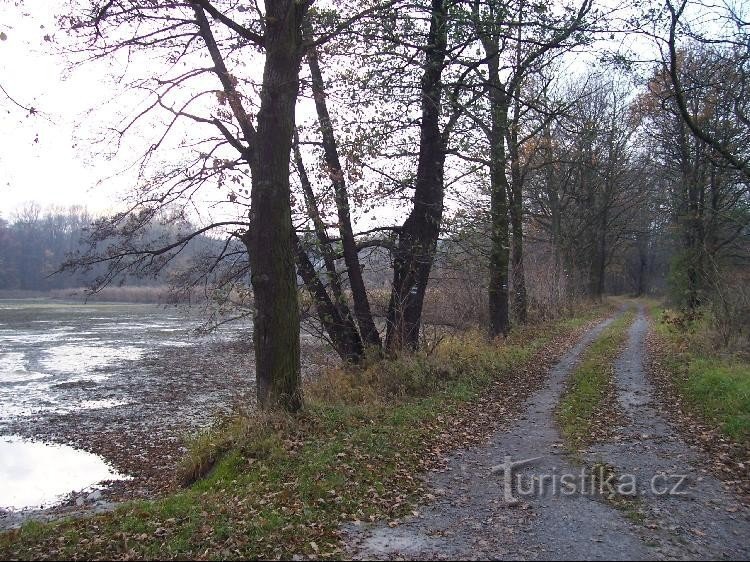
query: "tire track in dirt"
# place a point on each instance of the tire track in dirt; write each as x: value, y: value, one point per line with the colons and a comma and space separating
x: 703, y: 520
x: 472, y: 519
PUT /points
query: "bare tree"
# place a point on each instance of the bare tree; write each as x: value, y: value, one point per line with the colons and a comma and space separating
x: 708, y: 195
x: 515, y: 45
x: 732, y: 47
x: 261, y: 137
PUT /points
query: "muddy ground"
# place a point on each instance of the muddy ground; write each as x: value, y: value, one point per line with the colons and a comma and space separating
x: 150, y: 404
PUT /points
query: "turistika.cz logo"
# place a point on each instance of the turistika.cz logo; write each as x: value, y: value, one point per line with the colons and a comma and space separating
x: 599, y: 480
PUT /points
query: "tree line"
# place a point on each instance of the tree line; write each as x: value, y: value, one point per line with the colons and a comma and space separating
x: 36, y: 241
x: 462, y: 127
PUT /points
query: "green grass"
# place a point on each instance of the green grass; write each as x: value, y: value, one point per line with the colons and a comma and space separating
x: 279, y: 486
x: 590, y: 383
x: 716, y: 387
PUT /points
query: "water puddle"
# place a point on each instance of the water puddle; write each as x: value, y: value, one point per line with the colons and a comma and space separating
x: 39, y: 475
x: 95, y: 405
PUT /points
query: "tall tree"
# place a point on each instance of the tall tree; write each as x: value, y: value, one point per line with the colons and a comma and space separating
x: 510, y: 55
x: 368, y: 330
x: 261, y: 143
x: 708, y: 194
x: 731, y: 51
x: 417, y: 238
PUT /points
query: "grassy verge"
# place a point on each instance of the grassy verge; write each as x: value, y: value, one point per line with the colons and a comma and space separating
x: 587, y: 412
x: 714, y: 386
x: 581, y: 412
x: 279, y: 486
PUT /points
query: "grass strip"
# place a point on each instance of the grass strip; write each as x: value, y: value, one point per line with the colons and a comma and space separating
x: 579, y: 413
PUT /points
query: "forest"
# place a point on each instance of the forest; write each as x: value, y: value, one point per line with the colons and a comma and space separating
x: 531, y: 140
x: 449, y: 194
x: 36, y: 241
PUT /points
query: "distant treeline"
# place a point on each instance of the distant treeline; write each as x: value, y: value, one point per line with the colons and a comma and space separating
x: 35, y: 242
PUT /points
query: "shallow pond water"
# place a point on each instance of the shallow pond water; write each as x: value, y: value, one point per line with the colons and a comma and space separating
x: 55, y: 359
x: 48, y: 346
x: 37, y: 475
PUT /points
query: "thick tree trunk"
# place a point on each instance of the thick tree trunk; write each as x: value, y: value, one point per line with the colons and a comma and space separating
x: 417, y: 241
x: 368, y: 330
x: 499, y: 101
x: 692, y: 227
x: 499, y: 252
x: 276, y: 322
x: 499, y: 190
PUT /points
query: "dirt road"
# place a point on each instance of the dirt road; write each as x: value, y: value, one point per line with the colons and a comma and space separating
x: 666, y: 507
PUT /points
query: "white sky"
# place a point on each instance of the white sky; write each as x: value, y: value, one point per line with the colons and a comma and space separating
x: 57, y: 169
x: 49, y: 158
x: 61, y: 167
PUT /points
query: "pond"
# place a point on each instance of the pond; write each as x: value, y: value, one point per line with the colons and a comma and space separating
x: 52, y: 355
x: 37, y: 475
x: 47, y: 347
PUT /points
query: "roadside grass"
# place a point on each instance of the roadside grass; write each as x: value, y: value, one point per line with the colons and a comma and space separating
x: 630, y: 505
x: 714, y: 385
x: 579, y: 411
x: 276, y: 486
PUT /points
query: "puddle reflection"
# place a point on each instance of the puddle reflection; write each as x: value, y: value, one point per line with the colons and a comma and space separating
x: 34, y: 475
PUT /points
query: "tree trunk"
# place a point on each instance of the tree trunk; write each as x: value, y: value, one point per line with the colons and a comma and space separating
x: 337, y: 323
x: 599, y: 259
x: 324, y: 243
x: 499, y: 253
x: 333, y: 311
x: 641, y: 287
x: 269, y: 240
x: 516, y: 221
x: 362, y: 311
x: 516, y: 190
x: 692, y: 227
x: 417, y: 240
x: 551, y: 185
x: 499, y: 190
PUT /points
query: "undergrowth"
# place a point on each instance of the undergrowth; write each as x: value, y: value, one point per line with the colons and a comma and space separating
x: 713, y: 383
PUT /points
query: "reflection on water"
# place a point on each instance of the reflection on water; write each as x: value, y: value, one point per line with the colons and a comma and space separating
x: 36, y: 475
x: 83, y: 359
x: 50, y: 351
x: 69, y: 359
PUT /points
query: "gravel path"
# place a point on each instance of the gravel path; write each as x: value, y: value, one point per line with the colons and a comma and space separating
x: 474, y: 517
x: 703, y: 520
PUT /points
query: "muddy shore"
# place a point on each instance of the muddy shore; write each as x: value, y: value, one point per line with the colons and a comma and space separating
x: 158, y: 400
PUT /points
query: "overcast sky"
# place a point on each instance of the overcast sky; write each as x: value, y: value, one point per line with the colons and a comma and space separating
x: 49, y: 157
x: 42, y: 157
